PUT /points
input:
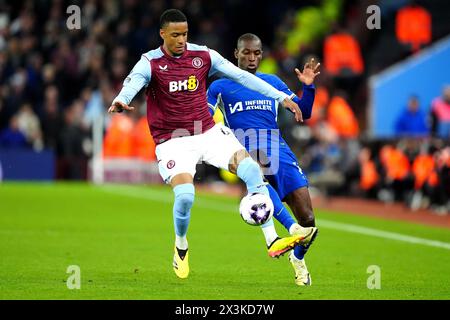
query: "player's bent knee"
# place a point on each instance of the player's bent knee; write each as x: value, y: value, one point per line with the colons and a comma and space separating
x: 236, y: 159
x: 248, y: 168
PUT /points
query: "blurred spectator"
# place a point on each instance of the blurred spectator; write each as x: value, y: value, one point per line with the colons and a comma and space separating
x: 440, y: 114
x: 412, y: 121
x: 208, y: 36
x: 268, y: 64
x: 319, y: 107
x: 342, y: 55
x: 323, y: 157
x: 49, y: 75
x: 369, y: 180
x: 118, y: 139
x: 397, y: 171
x: 72, y: 161
x: 51, y: 119
x: 15, y: 96
x: 12, y: 137
x: 30, y: 126
x: 143, y: 146
x: 425, y: 179
x: 34, y: 75
x: 96, y: 102
x: 308, y: 25
x: 413, y: 26
x: 323, y: 167
x: 342, y: 118
x: 348, y: 164
x: 441, y: 200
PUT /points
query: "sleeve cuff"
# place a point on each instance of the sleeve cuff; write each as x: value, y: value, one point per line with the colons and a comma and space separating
x: 282, y: 97
x: 120, y: 99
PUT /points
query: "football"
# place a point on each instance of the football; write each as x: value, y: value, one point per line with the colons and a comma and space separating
x: 256, y: 209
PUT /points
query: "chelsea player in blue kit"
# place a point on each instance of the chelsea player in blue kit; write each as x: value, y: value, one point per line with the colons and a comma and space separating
x: 253, y: 117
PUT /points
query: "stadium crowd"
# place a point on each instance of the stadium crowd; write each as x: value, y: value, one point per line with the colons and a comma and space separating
x: 56, y: 82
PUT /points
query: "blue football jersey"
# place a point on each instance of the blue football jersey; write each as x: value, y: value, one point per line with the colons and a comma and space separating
x: 247, y: 110
x: 253, y: 119
x: 244, y: 108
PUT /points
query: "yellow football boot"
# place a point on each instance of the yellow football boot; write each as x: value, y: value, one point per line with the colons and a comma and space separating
x: 302, y: 276
x: 282, y: 245
x: 181, y: 264
x: 308, y: 234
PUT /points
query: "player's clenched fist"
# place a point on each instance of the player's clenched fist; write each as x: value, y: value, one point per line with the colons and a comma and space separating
x: 118, y: 106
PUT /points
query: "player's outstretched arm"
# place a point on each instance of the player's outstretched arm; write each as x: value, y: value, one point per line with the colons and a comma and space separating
x: 227, y: 69
x: 307, y: 77
x: 310, y: 72
x: 136, y: 80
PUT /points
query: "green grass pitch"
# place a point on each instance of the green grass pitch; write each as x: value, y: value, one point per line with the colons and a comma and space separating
x: 122, y: 237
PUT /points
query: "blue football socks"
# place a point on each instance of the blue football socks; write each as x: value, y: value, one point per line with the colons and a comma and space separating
x: 184, y: 198
x: 280, y: 212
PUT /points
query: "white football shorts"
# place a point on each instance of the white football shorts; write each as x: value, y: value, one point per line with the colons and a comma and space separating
x: 215, y: 146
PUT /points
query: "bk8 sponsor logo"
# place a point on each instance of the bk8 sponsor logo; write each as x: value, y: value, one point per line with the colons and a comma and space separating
x: 190, y: 84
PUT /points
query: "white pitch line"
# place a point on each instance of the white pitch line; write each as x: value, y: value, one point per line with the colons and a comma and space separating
x: 161, y: 196
x: 382, y: 234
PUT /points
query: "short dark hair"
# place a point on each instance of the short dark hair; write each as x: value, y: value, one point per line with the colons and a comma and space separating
x: 247, y: 37
x: 171, y: 15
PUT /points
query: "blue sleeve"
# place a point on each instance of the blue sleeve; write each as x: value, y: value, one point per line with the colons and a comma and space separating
x: 305, y: 103
x: 213, y: 97
x: 307, y: 100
